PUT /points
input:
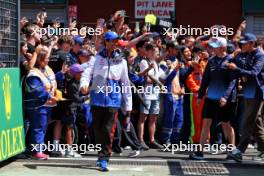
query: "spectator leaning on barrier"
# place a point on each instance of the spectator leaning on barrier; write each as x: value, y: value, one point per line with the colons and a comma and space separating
x: 193, y: 82
x: 33, y: 37
x: 59, y: 62
x: 74, y: 106
x: 148, y: 67
x: 61, y: 55
x: 173, y: 100
x: 77, y: 46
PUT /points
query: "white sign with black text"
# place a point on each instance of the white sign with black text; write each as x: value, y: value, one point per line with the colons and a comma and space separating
x: 160, y: 8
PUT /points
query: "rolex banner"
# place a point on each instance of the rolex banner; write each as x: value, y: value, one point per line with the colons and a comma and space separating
x: 11, y: 119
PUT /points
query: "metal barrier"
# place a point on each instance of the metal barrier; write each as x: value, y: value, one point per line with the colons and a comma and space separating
x: 9, y: 33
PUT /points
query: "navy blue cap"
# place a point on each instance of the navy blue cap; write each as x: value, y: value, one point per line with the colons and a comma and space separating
x: 248, y: 37
x: 108, y: 36
x: 230, y: 47
x: 155, y: 35
x: 172, y: 44
x: 78, y: 40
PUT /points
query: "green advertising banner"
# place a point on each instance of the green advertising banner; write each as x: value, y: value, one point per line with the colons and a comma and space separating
x: 11, y: 118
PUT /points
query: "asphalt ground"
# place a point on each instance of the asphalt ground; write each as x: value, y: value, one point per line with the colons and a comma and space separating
x: 149, y: 163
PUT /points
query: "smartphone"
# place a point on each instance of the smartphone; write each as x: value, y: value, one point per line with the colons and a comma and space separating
x: 67, y: 61
x: 101, y: 22
x: 44, y: 13
x: 137, y: 26
x: 74, y: 20
x: 196, y: 58
x: 122, y: 13
x: 57, y: 20
x: 24, y: 19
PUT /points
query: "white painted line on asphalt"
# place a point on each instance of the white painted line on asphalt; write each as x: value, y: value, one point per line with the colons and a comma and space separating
x: 155, y: 160
x: 112, y: 159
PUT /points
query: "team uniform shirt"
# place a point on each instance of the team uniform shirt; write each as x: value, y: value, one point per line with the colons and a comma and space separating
x: 218, y: 80
x: 73, y: 58
x: 251, y: 70
x: 40, y: 86
x: 108, y: 74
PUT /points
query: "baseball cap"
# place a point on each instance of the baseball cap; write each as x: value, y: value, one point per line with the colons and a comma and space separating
x: 230, y: 47
x: 108, y: 36
x: 198, y: 48
x: 155, y: 35
x: 172, y: 44
x: 248, y: 37
x: 77, y: 39
x: 75, y: 68
x: 217, y: 42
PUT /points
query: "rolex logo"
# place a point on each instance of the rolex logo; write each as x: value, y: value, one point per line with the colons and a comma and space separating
x: 7, y: 95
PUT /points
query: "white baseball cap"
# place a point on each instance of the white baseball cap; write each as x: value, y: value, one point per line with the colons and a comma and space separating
x: 217, y: 42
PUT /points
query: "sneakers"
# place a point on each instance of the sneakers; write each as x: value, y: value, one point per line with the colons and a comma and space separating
x: 259, y: 157
x: 235, y: 155
x: 196, y: 156
x: 250, y: 146
x: 40, y: 156
x: 116, y: 154
x: 69, y: 153
x: 228, y: 157
x: 127, y: 148
x: 144, y: 146
x: 22, y: 156
x: 155, y: 145
x: 56, y: 153
x: 134, y: 153
x: 103, y: 165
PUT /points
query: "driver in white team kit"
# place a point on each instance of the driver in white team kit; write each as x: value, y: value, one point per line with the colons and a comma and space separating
x: 109, y: 74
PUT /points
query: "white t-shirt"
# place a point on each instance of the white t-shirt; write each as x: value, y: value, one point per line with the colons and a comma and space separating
x: 150, y: 93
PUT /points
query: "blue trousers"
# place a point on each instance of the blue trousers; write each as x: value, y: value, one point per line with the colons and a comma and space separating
x: 172, y: 120
x: 38, y: 125
x: 88, y: 115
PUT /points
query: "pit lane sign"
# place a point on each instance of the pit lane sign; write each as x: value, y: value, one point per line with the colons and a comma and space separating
x: 72, y: 12
x: 160, y: 8
x: 11, y: 119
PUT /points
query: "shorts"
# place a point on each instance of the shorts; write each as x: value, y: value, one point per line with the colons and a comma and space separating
x: 152, y: 107
x: 212, y: 110
x: 69, y: 120
x: 60, y: 110
x: 70, y: 116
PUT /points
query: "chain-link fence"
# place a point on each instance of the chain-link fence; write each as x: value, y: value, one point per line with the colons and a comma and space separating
x: 9, y: 23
